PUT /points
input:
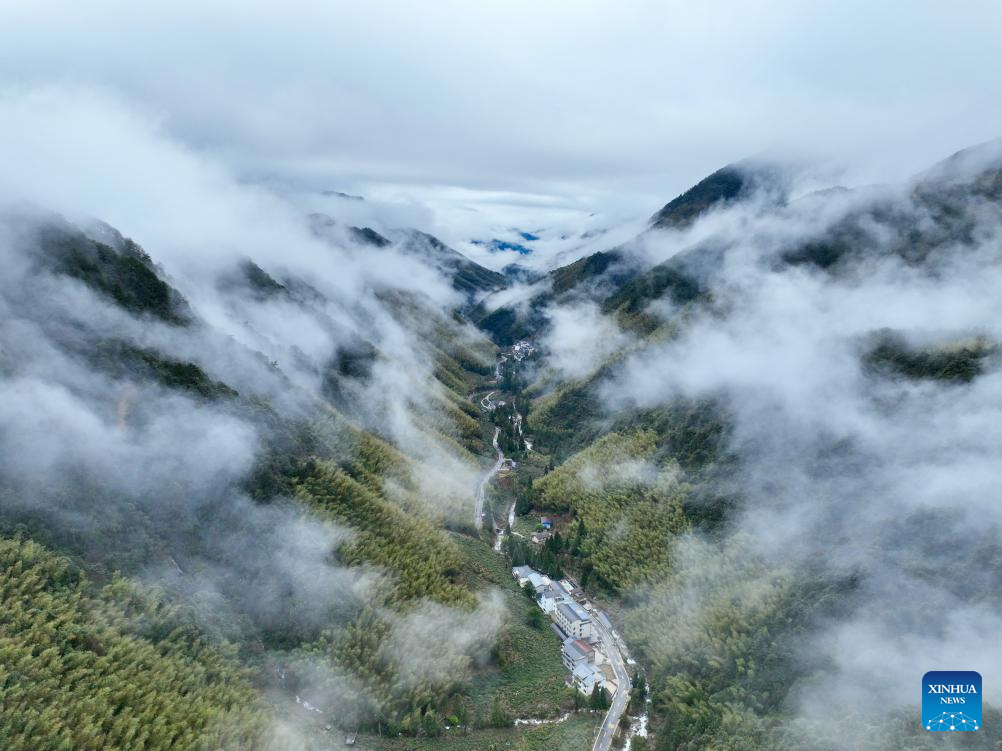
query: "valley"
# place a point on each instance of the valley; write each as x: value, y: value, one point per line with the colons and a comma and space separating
x: 604, y: 638
x: 263, y: 512
x: 500, y: 376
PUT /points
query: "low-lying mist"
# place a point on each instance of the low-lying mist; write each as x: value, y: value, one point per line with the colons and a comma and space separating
x: 103, y: 455
x: 863, y: 406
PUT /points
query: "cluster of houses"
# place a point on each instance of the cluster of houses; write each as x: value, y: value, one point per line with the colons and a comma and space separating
x: 522, y: 349
x: 569, y: 610
x: 538, y: 538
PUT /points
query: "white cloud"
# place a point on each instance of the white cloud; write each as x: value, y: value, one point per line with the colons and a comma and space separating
x: 579, y: 339
x: 593, y: 106
x: 893, y: 481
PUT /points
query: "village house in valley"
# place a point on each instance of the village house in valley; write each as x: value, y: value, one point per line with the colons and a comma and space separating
x: 573, y: 620
x: 538, y: 538
x: 587, y: 665
x: 573, y: 652
x: 551, y: 596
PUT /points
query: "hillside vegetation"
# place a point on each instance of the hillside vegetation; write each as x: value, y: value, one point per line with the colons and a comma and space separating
x: 721, y: 517
x: 627, y: 507
x: 108, y: 665
x: 114, y: 667
x: 221, y: 523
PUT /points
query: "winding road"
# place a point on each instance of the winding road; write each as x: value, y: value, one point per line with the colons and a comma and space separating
x: 603, y: 741
x: 609, y: 642
x: 478, y: 514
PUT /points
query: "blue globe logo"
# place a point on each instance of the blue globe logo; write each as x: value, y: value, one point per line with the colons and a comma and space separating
x: 951, y: 721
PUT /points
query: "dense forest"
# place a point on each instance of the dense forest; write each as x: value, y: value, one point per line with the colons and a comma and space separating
x: 113, y: 666
x: 235, y: 505
x: 712, y: 498
x: 295, y: 549
x: 627, y: 508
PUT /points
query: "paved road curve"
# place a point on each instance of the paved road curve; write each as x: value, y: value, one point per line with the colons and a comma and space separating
x: 478, y: 514
x: 603, y: 741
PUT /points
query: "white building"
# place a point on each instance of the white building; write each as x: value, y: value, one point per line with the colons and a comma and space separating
x: 573, y: 620
x: 521, y: 574
x: 539, y: 582
x: 586, y: 676
x: 550, y: 597
x: 574, y: 652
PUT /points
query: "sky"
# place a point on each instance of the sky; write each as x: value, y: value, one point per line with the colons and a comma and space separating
x: 174, y: 468
x: 177, y: 123
x: 525, y: 114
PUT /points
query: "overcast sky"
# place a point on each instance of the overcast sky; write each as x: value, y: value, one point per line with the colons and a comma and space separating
x: 525, y: 112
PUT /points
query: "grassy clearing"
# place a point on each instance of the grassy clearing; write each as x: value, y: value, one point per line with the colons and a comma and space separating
x: 530, y: 682
x: 574, y: 734
x: 525, y: 525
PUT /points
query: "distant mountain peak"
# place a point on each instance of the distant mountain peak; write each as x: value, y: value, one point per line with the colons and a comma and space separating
x: 467, y: 276
x: 368, y: 236
x: 339, y: 194
x: 982, y: 161
x: 723, y: 185
x: 730, y: 183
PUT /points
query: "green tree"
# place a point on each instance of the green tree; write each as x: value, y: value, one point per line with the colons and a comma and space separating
x: 499, y: 715
x: 431, y: 725
x: 534, y: 617
x: 638, y: 696
x: 598, y: 698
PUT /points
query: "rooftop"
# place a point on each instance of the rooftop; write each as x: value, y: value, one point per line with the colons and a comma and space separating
x: 538, y: 580
x: 573, y: 612
x: 586, y: 671
x: 577, y: 649
x: 552, y: 591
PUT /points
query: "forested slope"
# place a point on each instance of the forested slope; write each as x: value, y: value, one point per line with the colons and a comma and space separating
x: 628, y: 507
x: 742, y: 476
x: 289, y: 503
x: 83, y: 666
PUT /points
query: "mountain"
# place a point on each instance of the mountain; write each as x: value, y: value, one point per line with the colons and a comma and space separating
x: 726, y: 184
x: 617, y: 280
x: 238, y: 481
x: 368, y: 236
x: 212, y: 506
x: 520, y: 274
x: 793, y: 369
x: 117, y: 268
x: 616, y: 276
x: 467, y: 276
